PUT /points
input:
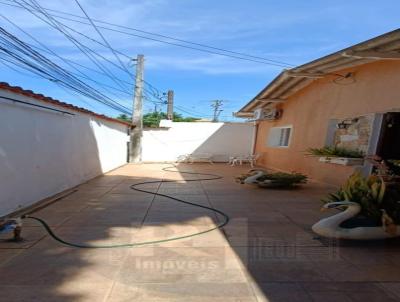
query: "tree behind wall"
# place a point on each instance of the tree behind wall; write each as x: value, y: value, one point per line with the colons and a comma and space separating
x: 153, y: 119
x: 124, y: 117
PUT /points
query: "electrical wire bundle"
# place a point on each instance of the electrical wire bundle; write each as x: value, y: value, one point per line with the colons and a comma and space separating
x: 18, y: 55
x: 156, y: 37
x: 106, y: 93
x: 118, y: 88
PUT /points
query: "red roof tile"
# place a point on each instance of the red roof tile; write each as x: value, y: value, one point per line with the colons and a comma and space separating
x: 49, y: 100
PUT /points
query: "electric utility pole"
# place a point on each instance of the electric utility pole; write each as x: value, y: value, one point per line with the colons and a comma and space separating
x: 135, y: 146
x: 216, y: 105
x: 170, y: 106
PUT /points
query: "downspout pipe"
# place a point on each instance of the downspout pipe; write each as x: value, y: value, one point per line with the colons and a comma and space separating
x: 254, y: 138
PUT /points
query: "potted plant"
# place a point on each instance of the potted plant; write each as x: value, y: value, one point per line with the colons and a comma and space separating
x: 281, y: 180
x: 369, y: 209
x: 265, y: 179
x: 338, y: 155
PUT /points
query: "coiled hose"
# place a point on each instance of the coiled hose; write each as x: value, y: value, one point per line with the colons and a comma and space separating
x: 134, y: 187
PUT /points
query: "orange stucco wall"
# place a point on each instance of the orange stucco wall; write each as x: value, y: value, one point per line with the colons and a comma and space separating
x: 376, y: 90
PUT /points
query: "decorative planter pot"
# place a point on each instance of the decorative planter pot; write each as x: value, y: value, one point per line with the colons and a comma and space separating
x: 332, y: 227
x: 259, y: 178
x: 344, y: 161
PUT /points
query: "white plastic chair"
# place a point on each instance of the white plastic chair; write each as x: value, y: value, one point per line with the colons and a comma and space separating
x: 251, y: 159
x: 191, y: 158
x: 200, y: 157
x: 184, y: 158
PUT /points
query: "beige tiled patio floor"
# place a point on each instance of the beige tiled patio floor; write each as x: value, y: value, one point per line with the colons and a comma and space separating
x: 266, y: 253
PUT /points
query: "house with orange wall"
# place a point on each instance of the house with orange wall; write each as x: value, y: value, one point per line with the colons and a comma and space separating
x: 350, y: 98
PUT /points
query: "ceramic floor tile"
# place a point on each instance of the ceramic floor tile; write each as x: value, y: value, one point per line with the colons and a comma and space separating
x: 267, y: 252
x: 188, y: 292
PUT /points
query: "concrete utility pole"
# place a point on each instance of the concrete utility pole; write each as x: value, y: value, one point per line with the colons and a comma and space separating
x: 135, y: 146
x: 170, y: 106
x: 216, y: 105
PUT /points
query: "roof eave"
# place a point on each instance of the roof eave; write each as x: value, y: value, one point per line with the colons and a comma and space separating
x: 287, y: 82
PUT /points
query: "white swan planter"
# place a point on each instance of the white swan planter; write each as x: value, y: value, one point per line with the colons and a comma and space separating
x: 253, y: 178
x: 330, y: 227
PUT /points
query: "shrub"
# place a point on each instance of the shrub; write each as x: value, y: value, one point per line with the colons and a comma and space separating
x: 281, y: 179
x: 335, y: 152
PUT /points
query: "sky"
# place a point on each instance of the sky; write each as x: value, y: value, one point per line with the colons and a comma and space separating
x: 289, y: 31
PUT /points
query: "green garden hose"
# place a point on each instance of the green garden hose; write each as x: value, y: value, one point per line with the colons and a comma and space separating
x: 134, y: 187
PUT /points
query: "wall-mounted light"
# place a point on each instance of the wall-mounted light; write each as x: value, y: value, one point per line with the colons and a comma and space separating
x: 346, y: 123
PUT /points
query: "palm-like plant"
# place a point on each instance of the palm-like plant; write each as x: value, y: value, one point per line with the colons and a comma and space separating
x: 369, y: 192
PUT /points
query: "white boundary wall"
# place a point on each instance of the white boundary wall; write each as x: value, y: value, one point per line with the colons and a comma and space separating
x: 43, y: 152
x: 219, y: 139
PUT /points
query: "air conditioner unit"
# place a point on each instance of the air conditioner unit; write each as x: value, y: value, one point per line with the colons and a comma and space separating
x: 267, y: 114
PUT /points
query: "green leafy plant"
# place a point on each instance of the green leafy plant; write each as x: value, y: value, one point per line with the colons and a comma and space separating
x: 124, y: 118
x: 335, y: 152
x: 372, y: 194
x: 281, y: 179
x: 153, y: 119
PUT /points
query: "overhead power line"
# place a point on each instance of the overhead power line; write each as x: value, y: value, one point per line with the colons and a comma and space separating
x: 191, y: 113
x: 205, y: 48
x: 152, y: 94
x: 188, y: 111
x: 102, y: 37
x: 155, y: 92
x: 35, y: 9
x: 22, y: 55
x: 70, y: 63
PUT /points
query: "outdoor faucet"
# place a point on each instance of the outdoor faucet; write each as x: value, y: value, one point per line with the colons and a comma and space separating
x: 14, y: 225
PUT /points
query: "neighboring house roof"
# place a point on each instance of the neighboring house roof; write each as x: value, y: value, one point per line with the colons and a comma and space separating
x: 49, y: 100
x: 288, y: 82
